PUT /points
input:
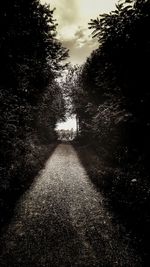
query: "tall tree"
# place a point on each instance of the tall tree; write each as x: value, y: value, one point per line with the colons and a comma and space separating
x: 31, y: 58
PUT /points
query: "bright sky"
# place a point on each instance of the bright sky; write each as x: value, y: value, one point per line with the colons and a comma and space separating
x: 73, y: 17
x: 68, y: 125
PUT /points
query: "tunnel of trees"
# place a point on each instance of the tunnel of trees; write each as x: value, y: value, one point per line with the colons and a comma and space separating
x: 110, y: 94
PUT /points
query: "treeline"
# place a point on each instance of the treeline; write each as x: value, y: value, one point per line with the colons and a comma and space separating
x: 111, y: 97
x: 31, y: 100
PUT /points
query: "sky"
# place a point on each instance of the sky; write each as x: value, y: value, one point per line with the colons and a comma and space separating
x: 73, y: 17
x: 68, y: 125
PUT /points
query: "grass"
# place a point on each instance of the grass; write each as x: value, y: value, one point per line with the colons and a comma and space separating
x: 18, y: 178
x: 127, y: 193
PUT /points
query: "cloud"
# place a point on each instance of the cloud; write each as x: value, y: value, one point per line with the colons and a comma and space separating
x: 66, y: 11
x: 80, y: 45
x: 80, y: 33
x: 73, y: 17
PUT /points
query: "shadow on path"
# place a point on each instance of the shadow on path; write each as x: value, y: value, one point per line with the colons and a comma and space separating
x: 61, y: 221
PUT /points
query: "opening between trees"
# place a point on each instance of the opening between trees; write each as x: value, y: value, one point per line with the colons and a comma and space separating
x: 109, y: 94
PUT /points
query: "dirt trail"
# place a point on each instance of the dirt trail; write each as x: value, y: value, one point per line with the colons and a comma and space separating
x: 61, y: 221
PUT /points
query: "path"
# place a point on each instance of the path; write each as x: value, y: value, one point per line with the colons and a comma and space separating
x: 61, y: 221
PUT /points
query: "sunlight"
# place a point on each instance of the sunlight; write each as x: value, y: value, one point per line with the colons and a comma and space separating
x: 69, y: 124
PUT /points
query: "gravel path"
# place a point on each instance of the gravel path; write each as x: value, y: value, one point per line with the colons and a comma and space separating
x: 62, y: 221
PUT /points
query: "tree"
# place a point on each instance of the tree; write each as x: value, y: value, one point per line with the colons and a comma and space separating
x: 115, y: 80
x: 31, y: 58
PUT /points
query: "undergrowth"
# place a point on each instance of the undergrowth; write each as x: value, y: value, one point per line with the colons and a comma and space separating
x: 127, y: 193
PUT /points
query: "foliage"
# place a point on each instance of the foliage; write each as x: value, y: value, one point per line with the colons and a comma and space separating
x: 31, y: 101
x: 114, y: 118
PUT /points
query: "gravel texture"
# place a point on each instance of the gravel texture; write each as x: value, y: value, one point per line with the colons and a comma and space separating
x: 62, y: 221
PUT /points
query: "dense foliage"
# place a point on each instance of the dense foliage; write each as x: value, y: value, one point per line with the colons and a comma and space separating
x: 31, y: 100
x: 111, y: 97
